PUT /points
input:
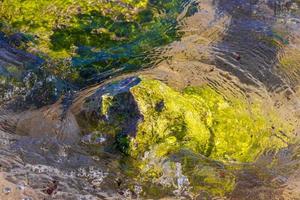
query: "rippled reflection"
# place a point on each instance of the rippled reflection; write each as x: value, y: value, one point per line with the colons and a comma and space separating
x: 248, y: 49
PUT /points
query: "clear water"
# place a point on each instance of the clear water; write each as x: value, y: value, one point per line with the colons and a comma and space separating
x: 245, y: 48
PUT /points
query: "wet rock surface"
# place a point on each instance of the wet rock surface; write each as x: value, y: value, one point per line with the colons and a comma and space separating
x: 208, y: 107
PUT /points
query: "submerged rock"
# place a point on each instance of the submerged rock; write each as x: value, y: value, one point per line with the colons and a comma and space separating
x: 86, y: 42
x: 149, y: 115
x: 161, y: 128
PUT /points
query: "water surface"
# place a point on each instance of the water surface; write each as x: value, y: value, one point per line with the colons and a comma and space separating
x: 247, y: 49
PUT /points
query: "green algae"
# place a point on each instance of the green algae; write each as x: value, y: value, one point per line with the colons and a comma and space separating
x: 290, y: 60
x: 202, y: 121
x: 289, y: 63
x: 97, y: 36
x: 107, y: 102
x: 159, y: 128
x: 198, y: 119
x: 182, y: 173
x: 43, y: 17
x: 205, y: 175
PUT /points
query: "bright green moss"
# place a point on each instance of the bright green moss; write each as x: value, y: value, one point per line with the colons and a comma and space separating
x: 197, y: 130
x: 42, y: 18
x: 202, y: 121
x: 158, y: 118
x: 96, y: 36
x: 106, y: 104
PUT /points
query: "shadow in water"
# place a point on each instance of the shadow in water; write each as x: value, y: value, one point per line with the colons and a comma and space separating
x: 250, y: 47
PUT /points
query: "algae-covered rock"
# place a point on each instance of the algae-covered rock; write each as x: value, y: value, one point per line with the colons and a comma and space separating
x: 152, y: 115
x: 203, y: 121
x: 160, y: 128
x: 112, y: 111
x: 95, y: 36
x: 43, y: 18
x: 183, y: 173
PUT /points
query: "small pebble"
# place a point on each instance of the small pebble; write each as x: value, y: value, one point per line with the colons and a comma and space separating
x: 27, y: 198
x: 21, y: 186
x: 6, y: 190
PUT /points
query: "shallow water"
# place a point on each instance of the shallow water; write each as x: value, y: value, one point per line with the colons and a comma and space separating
x: 248, y: 49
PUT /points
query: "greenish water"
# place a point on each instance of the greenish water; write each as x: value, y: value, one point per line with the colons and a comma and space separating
x: 150, y: 99
x: 95, y: 37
